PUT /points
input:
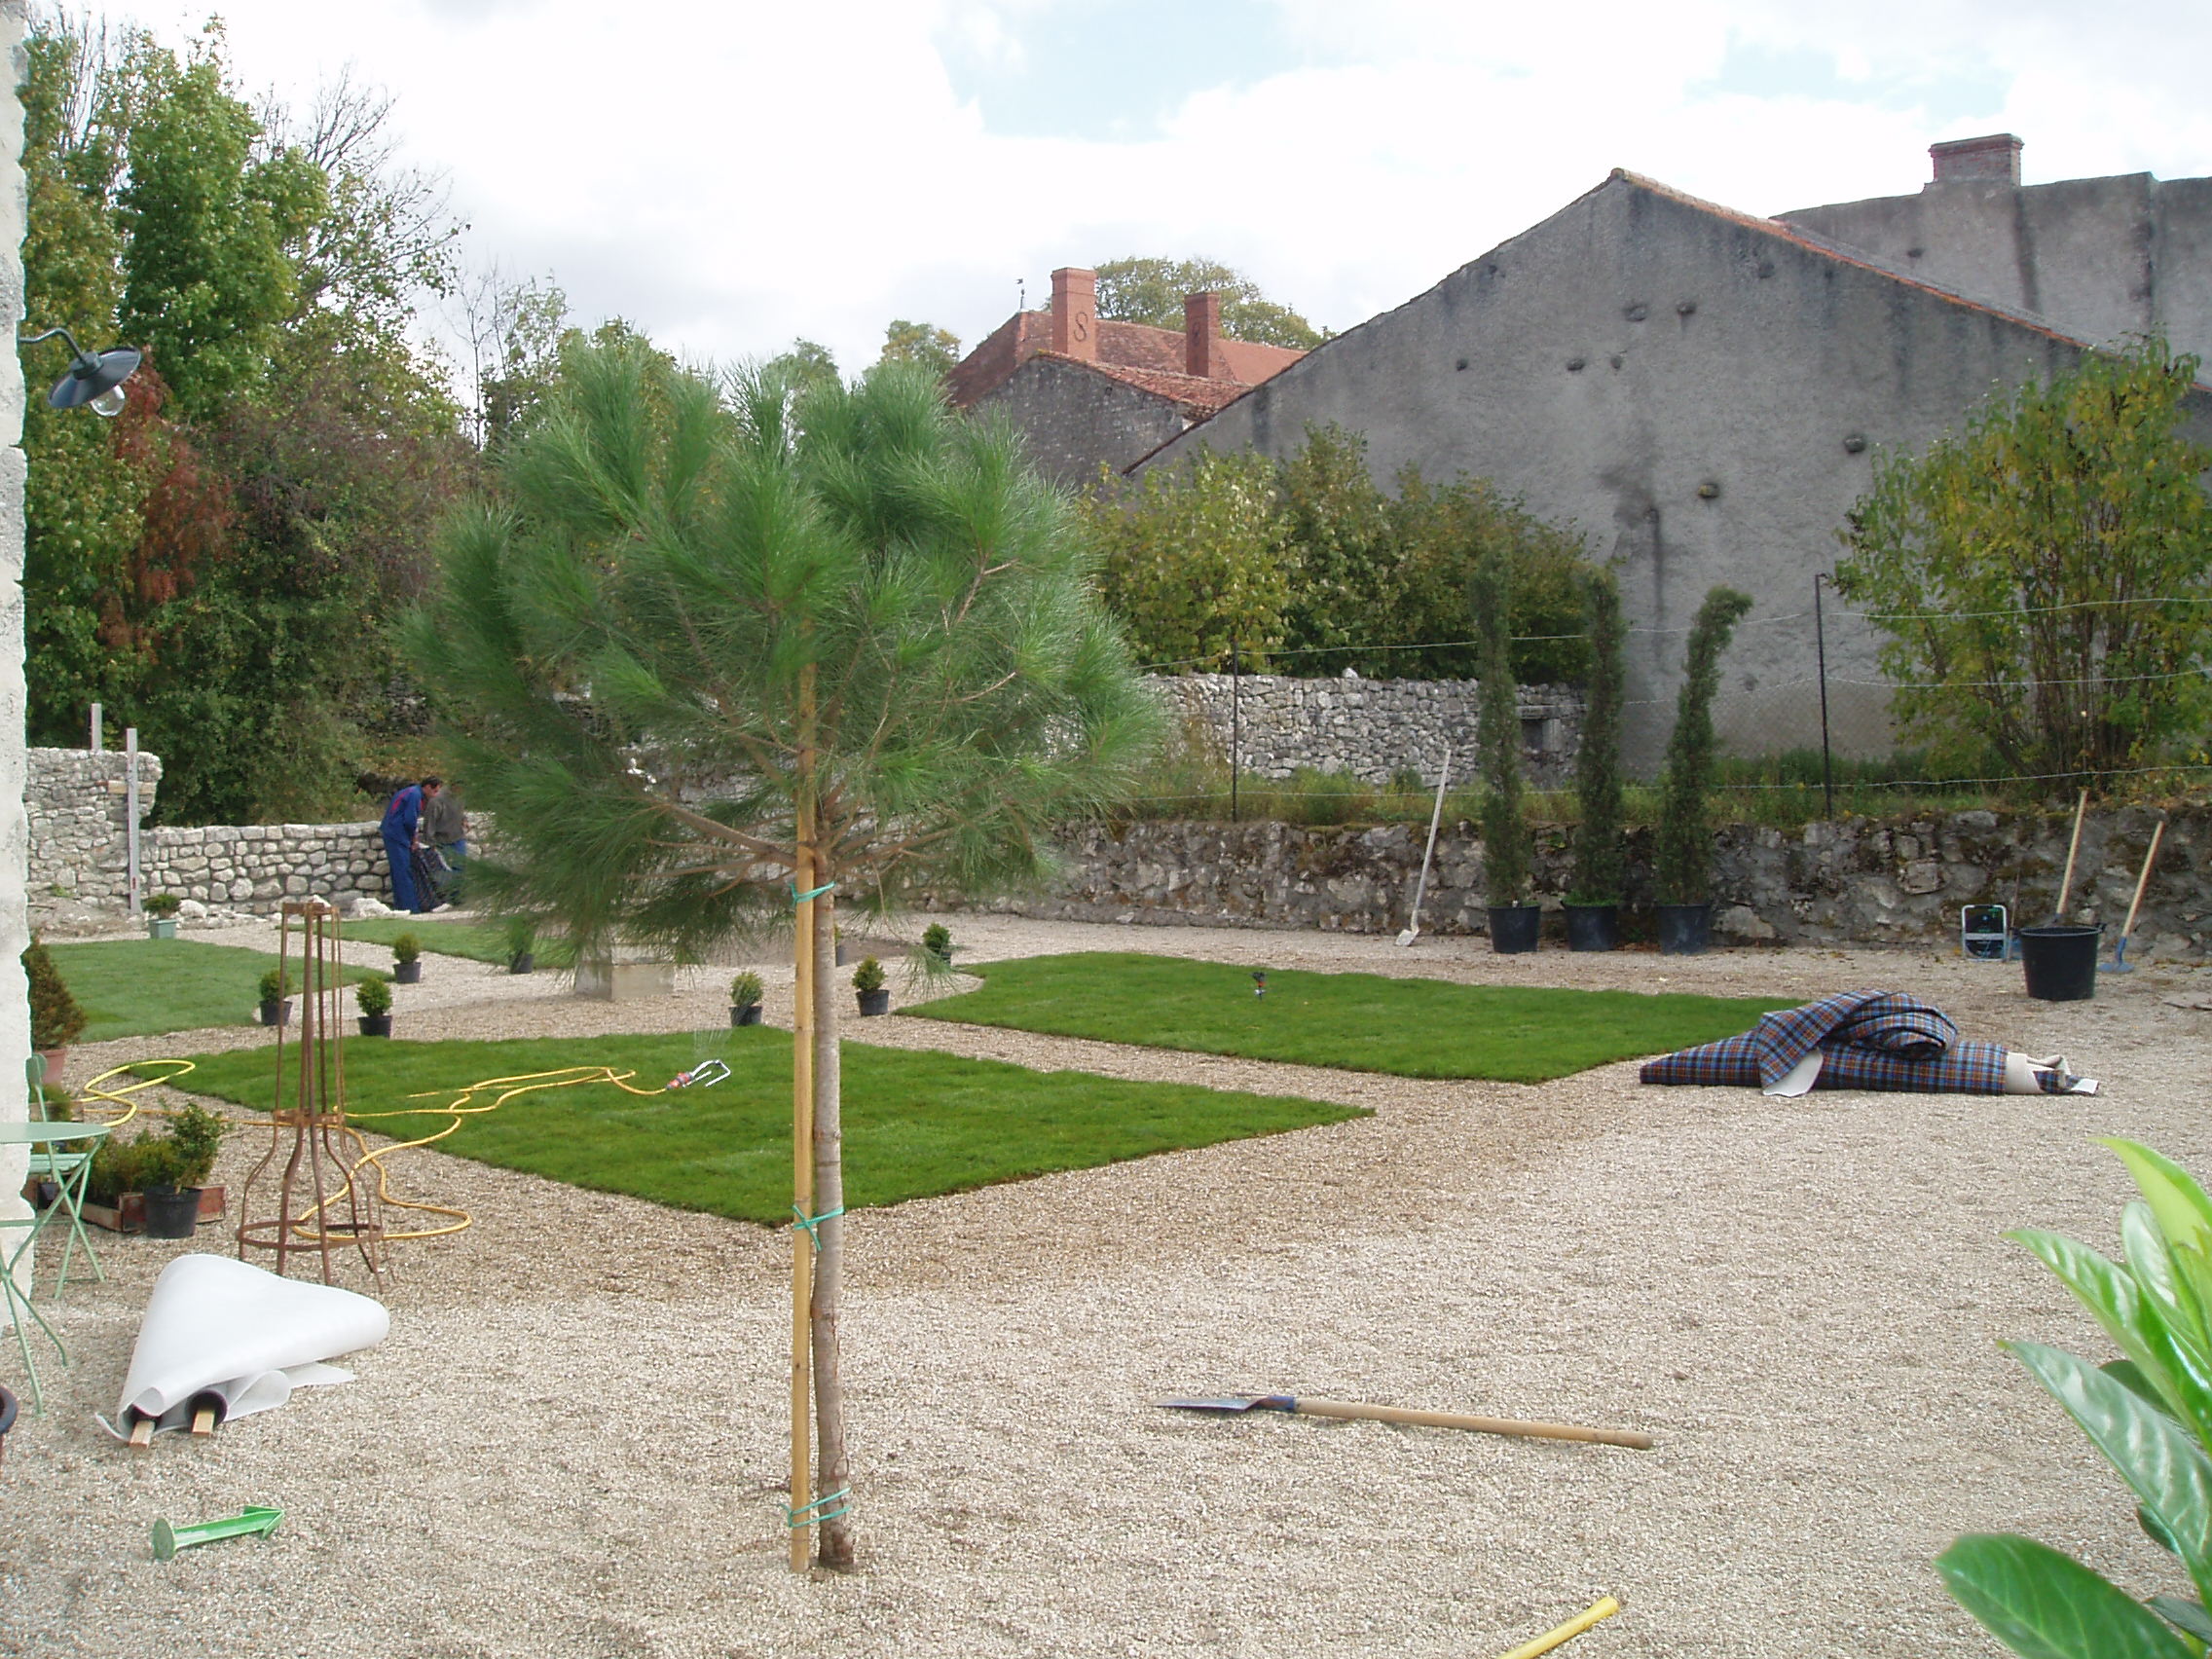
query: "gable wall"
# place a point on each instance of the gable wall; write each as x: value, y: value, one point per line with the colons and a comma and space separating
x: 1072, y: 419
x: 1711, y: 353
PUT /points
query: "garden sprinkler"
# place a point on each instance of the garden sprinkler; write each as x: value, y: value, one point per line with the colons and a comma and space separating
x: 1260, y: 983
x: 702, y: 1076
x: 168, y: 1539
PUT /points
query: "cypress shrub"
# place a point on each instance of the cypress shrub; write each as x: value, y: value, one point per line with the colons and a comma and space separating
x: 1497, y: 737
x: 56, y: 1017
x: 1683, y: 861
x: 1597, y: 878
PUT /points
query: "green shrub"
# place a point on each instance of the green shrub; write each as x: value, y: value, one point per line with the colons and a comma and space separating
x: 273, y: 986
x: 2149, y: 1414
x: 406, y: 947
x: 1598, y: 876
x: 1683, y: 859
x: 1497, y: 738
x: 164, y: 904
x: 197, y: 1135
x: 56, y: 1018
x: 744, y: 990
x: 374, y: 996
x: 869, y: 975
x: 936, y: 939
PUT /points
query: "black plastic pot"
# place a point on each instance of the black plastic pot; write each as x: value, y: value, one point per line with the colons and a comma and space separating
x: 375, y: 1024
x: 749, y: 1015
x: 1684, y: 930
x: 407, y: 972
x: 874, y: 1002
x: 277, y: 1011
x: 2062, y: 962
x: 171, y: 1212
x: 1513, y: 928
x: 7, y: 1417
x: 521, y: 962
x: 1593, y: 927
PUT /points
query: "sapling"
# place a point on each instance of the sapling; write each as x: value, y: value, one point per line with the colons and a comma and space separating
x: 1497, y: 735
x: 1597, y: 841
x: 1682, y: 866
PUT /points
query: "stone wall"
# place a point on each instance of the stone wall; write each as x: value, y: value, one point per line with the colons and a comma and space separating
x: 1856, y: 881
x: 1373, y: 728
x: 79, y: 848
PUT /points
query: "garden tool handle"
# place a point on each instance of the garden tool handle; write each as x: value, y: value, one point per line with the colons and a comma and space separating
x: 1480, y: 1424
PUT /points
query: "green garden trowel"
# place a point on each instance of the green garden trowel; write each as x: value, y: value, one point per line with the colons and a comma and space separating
x: 168, y: 1539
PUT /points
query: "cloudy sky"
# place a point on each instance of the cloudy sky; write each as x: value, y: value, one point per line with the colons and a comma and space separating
x: 732, y: 174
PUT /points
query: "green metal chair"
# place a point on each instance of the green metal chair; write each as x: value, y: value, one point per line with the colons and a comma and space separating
x: 60, y: 1166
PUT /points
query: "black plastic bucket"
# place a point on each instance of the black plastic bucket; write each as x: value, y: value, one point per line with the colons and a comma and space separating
x: 172, y: 1214
x: 1684, y: 930
x: 1513, y: 928
x: 1593, y: 927
x: 2062, y: 962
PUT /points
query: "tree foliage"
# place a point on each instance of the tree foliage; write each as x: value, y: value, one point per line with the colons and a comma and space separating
x: 1307, y: 559
x: 1599, y: 866
x: 1497, y: 737
x: 1682, y: 859
x: 2044, y: 579
x: 1151, y: 290
x: 935, y: 349
x: 806, y: 368
x: 214, y: 565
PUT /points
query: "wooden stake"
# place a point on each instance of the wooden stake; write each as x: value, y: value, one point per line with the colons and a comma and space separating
x: 2143, y: 881
x: 204, y: 1420
x: 834, y: 1473
x: 2065, y: 883
x: 1480, y: 1424
x: 803, y: 880
x: 142, y: 1433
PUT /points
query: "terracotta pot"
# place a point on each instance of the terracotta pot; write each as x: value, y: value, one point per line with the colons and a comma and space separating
x: 55, y: 1059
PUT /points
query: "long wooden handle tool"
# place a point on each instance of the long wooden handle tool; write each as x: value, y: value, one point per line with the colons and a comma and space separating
x: 1307, y: 1406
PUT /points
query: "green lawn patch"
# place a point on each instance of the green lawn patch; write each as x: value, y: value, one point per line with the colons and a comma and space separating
x: 479, y: 942
x: 1352, y: 1022
x: 917, y: 1124
x: 135, y: 987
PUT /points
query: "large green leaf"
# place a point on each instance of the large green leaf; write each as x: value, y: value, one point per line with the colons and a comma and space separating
x: 2184, y: 1212
x: 2130, y: 1318
x: 2153, y: 1452
x: 2044, y: 1604
x: 2189, y: 1615
x: 2156, y: 1273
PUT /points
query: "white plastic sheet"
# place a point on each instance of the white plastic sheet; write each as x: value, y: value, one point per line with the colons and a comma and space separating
x: 227, y: 1332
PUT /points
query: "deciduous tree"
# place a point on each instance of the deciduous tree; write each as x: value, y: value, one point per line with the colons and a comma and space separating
x: 1152, y: 290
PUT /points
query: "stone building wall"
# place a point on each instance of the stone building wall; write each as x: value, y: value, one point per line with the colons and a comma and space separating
x: 78, y: 821
x: 1373, y: 728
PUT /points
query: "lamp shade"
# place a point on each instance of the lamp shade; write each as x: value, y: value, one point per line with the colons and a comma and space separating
x: 90, y: 378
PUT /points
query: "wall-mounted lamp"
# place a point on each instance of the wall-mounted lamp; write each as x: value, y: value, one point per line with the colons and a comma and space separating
x: 97, y: 381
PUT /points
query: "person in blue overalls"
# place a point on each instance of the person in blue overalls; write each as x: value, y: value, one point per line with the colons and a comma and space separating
x: 402, y: 833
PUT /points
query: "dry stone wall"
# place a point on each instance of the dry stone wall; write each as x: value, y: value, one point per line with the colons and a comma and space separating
x: 1371, y: 729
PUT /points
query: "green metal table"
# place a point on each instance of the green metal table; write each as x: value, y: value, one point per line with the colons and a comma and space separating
x: 85, y: 1137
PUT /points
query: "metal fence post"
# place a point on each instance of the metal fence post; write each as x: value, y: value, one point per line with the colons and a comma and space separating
x: 1236, y: 723
x: 131, y: 813
x: 96, y: 744
x: 1821, y: 646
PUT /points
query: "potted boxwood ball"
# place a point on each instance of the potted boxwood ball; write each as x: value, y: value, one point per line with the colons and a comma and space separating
x: 745, y: 1000
x: 160, y: 915
x: 375, y: 999
x: 276, y: 1003
x: 868, y: 981
x: 407, y: 960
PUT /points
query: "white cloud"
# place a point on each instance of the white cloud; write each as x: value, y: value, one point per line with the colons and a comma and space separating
x: 729, y: 176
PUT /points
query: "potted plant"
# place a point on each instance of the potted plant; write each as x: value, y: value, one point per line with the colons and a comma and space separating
x: 407, y: 960
x: 745, y: 999
x: 1594, y: 887
x: 173, y: 1171
x: 1683, y: 861
x: 522, y: 944
x: 867, y: 981
x: 936, y: 940
x: 160, y: 915
x: 374, y: 995
x: 1506, y: 845
x: 276, y: 998
x: 56, y: 1018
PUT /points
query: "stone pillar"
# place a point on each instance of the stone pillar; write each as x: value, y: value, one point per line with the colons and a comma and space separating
x: 14, y: 825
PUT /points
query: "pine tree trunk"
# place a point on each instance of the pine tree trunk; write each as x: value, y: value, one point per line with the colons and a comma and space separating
x: 833, y: 1470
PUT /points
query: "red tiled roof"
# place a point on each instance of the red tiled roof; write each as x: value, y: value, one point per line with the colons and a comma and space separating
x: 1133, y: 347
x: 1194, y: 393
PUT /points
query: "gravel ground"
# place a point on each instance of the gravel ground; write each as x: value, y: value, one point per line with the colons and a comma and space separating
x: 572, y: 1442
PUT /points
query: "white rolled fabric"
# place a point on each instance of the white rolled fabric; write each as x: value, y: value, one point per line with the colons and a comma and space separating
x: 218, y: 1330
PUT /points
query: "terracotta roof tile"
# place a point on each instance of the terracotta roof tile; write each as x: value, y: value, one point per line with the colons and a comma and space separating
x: 1121, y: 346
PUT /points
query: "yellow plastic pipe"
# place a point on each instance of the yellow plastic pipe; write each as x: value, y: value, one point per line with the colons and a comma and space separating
x: 1604, y: 1608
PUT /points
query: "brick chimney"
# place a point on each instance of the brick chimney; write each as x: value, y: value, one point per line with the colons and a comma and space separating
x: 1074, y: 313
x: 1202, y: 337
x: 1997, y: 156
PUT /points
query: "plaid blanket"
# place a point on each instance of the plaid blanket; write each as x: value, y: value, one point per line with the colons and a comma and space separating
x: 1865, y: 1039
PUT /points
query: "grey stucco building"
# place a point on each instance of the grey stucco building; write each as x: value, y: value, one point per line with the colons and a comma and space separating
x: 1704, y: 392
